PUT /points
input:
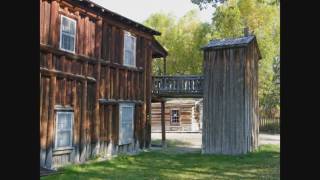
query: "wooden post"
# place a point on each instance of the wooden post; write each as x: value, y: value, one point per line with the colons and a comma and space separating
x: 53, y: 38
x: 148, y: 94
x: 163, y: 125
x: 50, y: 128
x: 97, y: 113
x: 97, y: 88
x: 76, y: 122
x: 84, y: 128
x: 165, y: 66
x: 44, y: 119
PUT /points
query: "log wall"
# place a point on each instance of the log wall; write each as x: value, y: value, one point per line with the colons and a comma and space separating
x: 230, y: 123
x: 91, y: 82
x: 188, y: 114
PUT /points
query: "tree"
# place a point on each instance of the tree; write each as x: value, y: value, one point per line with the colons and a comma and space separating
x: 204, y: 3
x: 183, y: 38
x: 263, y: 19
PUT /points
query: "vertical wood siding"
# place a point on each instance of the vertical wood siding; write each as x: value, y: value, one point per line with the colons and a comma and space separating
x: 230, y: 101
x: 78, y: 81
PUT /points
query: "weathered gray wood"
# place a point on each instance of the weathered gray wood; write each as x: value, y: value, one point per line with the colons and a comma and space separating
x: 230, y: 111
x: 177, y: 86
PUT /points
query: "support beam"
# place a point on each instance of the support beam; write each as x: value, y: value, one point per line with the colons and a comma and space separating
x: 50, y: 126
x: 163, y: 125
x: 84, y: 125
x: 165, y: 66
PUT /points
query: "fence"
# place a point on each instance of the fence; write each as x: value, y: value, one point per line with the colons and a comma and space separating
x: 268, y: 124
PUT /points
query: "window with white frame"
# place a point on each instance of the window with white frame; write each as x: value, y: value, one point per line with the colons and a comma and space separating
x: 67, y: 34
x: 126, y: 120
x: 175, y: 116
x: 129, y: 57
x: 64, y: 124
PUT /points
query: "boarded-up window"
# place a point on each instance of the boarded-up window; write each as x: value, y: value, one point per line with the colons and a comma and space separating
x: 126, y: 123
x: 175, y: 116
x: 129, y: 50
x: 67, y: 34
x: 64, y: 123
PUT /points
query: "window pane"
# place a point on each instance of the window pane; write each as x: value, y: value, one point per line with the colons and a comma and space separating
x: 128, y: 58
x: 64, y: 121
x: 63, y: 139
x: 67, y: 42
x: 68, y: 26
x: 68, y: 31
x: 127, y: 43
x: 72, y: 27
x: 175, y: 116
x: 126, y: 126
x: 129, y: 49
x: 131, y: 43
x: 64, y: 129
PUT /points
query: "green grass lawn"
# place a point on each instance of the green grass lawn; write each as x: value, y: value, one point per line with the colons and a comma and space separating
x: 158, y: 164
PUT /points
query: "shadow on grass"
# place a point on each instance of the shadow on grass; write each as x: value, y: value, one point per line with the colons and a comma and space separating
x: 171, y: 142
x: 262, y: 164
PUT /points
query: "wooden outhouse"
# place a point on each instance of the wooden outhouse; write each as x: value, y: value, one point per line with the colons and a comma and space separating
x: 230, y: 99
x: 95, y: 82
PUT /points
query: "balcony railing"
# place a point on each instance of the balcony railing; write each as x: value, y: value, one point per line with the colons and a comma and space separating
x: 177, y: 86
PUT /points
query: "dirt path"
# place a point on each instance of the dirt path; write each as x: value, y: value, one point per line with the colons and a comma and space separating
x: 189, y: 142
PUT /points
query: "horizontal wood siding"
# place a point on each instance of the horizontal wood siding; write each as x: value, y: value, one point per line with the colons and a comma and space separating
x: 186, y: 110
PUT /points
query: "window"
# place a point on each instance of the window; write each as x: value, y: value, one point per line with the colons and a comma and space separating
x: 64, y: 123
x: 126, y: 123
x: 129, y: 50
x: 175, y: 116
x: 67, y: 34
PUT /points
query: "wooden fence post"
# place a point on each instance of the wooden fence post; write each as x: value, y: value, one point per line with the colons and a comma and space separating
x: 163, y: 125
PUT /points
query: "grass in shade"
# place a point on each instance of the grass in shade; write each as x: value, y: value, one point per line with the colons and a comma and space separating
x: 264, y: 163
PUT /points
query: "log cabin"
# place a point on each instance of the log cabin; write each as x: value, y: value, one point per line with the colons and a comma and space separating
x: 181, y: 115
x: 95, y: 82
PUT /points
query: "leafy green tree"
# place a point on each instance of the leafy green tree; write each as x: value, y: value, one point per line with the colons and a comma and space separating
x: 263, y: 19
x: 183, y: 39
x: 204, y: 3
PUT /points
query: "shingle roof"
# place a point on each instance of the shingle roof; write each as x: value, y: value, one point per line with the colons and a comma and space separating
x: 225, y: 43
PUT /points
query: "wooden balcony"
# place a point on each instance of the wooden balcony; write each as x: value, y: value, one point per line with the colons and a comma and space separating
x: 184, y: 86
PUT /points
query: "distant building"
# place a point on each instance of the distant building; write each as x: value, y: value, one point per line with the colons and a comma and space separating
x: 180, y: 115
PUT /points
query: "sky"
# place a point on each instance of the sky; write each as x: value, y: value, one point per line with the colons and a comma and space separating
x: 140, y: 10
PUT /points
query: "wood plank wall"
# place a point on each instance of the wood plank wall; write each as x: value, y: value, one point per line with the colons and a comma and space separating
x: 79, y: 80
x: 230, y: 101
x: 185, y: 110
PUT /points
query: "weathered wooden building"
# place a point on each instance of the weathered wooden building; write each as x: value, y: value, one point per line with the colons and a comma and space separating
x: 230, y: 123
x: 180, y: 115
x: 95, y: 82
